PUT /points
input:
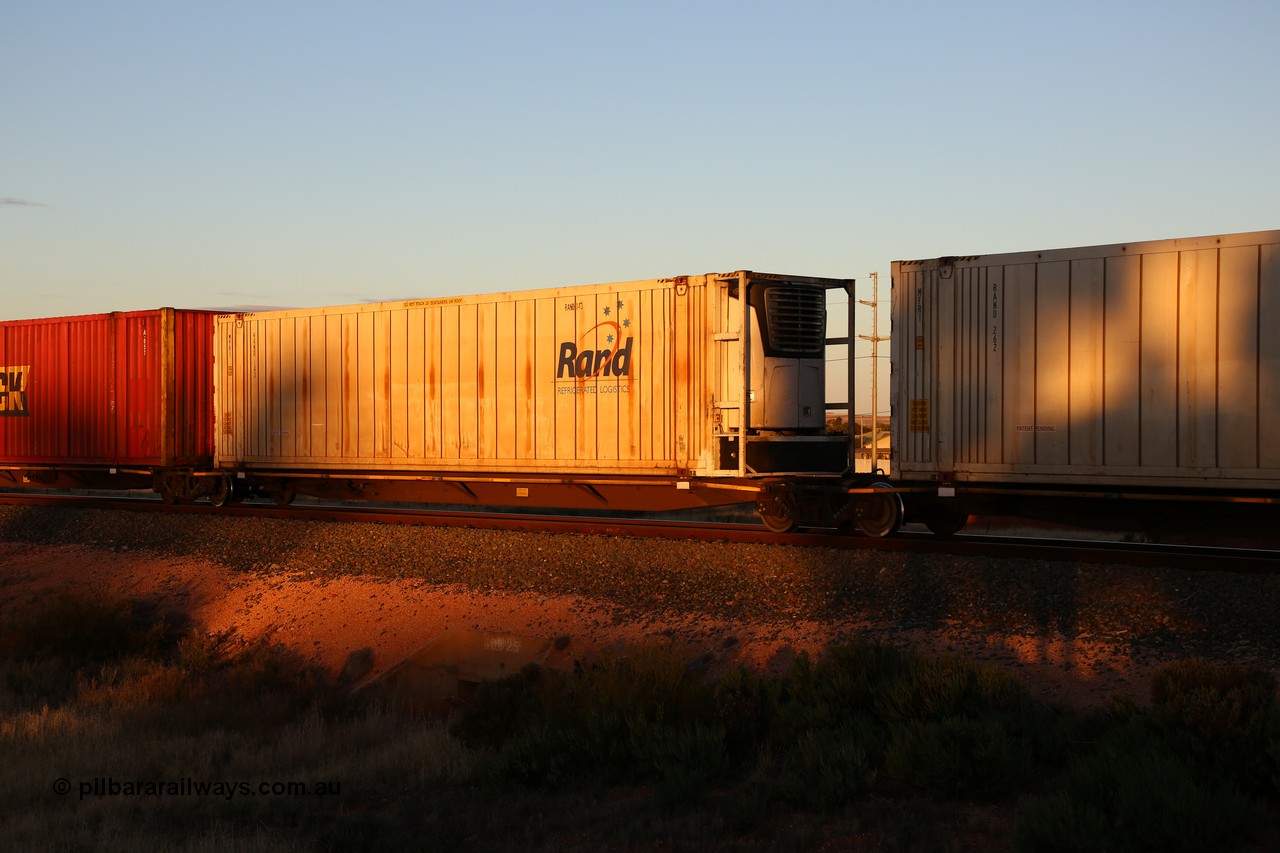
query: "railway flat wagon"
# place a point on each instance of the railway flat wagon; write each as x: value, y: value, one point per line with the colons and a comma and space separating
x: 653, y: 394
x: 1132, y: 371
x: 115, y: 401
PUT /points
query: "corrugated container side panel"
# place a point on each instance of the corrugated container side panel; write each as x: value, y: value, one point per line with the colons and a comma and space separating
x: 284, y: 362
x: 347, y: 394
x: 31, y: 415
x: 307, y: 386
x: 667, y: 381
x: 44, y: 419
x: 903, y: 375
x: 317, y: 390
x: 656, y: 423
x: 680, y: 357
x: 900, y: 371
x: 638, y: 423
x: 1197, y: 359
x: 605, y: 411
x: 590, y: 338
x: 694, y: 367
x: 970, y: 360
x: 962, y: 355
x: 413, y: 375
x: 568, y: 406
x: 610, y: 422
x: 1238, y: 358
x: 1158, y: 368
x: 927, y: 355
x: 1052, y: 417
x: 367, y: 354
x: 399, y: 399
x: 376, y: 350
x: 252, y: 393
x: 696, y: 379
x: 264, y: 406
x: 993, y: 344
x: 502, y: 382
x: 526, y: 409
x: 190, y: 411
x: 1019, y: 364
x: 545, y: 408
x: 268, y: 405
x: 244, y: 401
x: 141, y: 389
x: 289, y: 393
x: 86, y: 417
x: 487, y: 382
x: 467, y: 389
x: 1269, y: 358
x: 1122, y: 361
x: 272, y: 385
x: 615, y: 431
x: 335, y: 387
x: 1085, y: 362
x: 645, y: 436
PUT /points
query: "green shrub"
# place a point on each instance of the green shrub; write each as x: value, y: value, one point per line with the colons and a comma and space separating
x: 841, y: 686
x: 270, y: 685
x: 1222, y: 716
x: 498, y: 709
x: 746, y: 705
x: 1130, y: 793
x: 683, y: 760
x: 939, y: 688
x: 545, y: 756
x: 618, y: 718
x: 959, y: 758
x: 1212, y: 698
x: 1061, y: 823
x: 79, y: 628
x: 830, y: 768
x: 655, y: 681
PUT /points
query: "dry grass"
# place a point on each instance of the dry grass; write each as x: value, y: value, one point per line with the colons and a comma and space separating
x: 131, y: 731
x: 867, y: 747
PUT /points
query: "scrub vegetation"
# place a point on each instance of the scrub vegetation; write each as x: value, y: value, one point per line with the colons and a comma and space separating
x: 123, y: 728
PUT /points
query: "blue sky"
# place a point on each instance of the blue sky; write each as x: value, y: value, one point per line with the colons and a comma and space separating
x: 260, y: 154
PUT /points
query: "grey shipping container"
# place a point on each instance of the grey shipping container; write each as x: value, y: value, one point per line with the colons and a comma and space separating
x: 1153, y: 364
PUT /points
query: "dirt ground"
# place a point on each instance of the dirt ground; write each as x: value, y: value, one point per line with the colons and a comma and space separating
x: 326, y: 620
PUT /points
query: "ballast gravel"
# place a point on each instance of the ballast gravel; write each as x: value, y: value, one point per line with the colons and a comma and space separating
x: 958, y: 604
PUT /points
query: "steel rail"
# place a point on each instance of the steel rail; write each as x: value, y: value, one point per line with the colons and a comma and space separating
x: 1199, y: 557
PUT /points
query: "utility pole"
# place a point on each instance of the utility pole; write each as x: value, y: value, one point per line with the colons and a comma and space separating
x: 875, y: 339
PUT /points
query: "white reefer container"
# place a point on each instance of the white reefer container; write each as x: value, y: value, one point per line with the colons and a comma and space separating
x: 1153, y: 364
x: 646, y: 378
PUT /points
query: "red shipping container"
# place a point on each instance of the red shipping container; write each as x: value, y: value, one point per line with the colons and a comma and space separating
x: 131, y: 389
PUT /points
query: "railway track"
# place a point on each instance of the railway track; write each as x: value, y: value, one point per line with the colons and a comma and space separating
x: 1046, y: 547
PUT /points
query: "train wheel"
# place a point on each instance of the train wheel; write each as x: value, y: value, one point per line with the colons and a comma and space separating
x: 172, y: 489
x: 880, y: 515
x: 221, y: 493
x: 284, y: 497
x: 777, y: 511
x: 945, y: 521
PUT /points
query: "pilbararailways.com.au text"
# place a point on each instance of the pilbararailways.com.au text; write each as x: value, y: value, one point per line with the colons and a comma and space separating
x: 107, y: 786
